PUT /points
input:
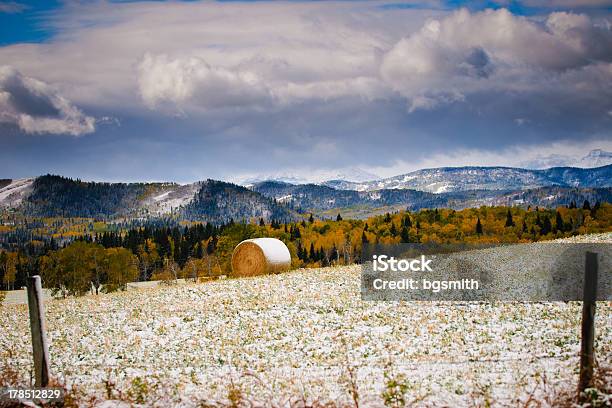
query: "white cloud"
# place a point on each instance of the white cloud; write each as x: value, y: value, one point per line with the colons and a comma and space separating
x: 35, y: 107
x: 289, y: 49
x: 492, y: 50
x: 192, y: 80
x: 227, y: 56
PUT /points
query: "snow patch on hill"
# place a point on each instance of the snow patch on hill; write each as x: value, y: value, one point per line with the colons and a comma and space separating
x: 171, y: 198
x: 12, y: 195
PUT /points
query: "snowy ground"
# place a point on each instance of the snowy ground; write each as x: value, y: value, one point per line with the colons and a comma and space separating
x: 302, y: 334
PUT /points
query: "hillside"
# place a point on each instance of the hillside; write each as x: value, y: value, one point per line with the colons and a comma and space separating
x: 55, y: 196
x: 217, y: 201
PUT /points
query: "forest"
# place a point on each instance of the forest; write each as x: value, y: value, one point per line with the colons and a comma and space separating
x: 74, y: 255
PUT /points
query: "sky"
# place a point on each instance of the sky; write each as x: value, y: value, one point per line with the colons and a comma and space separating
x: 235, y: 90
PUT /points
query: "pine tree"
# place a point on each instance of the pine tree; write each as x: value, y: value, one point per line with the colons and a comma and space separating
x: 546, y: 226
x: 262, y: 223
x: 299, y: 251
x: 339, y: 217
x: 586, y: 205
x: 393, y: 230
x: 478, y: 226
x: 407, y: 221
x: 333, y: 256
x: 509, y: 220
x: 559, y: 225
x: 364, y: 238
x: 404, y: 235
x: 311, y: 218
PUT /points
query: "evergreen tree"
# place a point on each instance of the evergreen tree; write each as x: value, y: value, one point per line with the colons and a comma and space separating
x: 339, y: 217
x: 333, y: 255
x: 559, y: 225
x: 364, y: 238
x: 393, y: 230
x: 586, y: 205
x: 596, y: 207
x: 478, y: 226
x: 407, y: 221
x: 404, y: 235
x: 311, y: 218
x: 509, y: 220
x: 546, y: 226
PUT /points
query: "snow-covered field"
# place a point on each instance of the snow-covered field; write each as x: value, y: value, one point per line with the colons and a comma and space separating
x: 299, y: 334
x: 304, y: 334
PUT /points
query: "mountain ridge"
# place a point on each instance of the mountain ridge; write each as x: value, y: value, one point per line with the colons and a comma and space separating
x: 452, y: 179
x: 219, y: 201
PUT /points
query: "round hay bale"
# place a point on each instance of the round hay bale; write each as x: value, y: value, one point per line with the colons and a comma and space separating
x: 260, y: 256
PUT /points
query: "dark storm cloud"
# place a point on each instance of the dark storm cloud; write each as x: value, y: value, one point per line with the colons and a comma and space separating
x: 34, y: 107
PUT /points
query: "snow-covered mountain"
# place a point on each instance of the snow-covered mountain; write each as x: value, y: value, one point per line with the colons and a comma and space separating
x: 352, y: 174
x: 440, y: 180
x: 452, y: 179
x: 51, y: 196
x: 594, y: 158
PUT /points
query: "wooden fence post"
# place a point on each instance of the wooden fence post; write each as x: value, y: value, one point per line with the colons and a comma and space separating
x: 39, y: 331
x: 588, y: 322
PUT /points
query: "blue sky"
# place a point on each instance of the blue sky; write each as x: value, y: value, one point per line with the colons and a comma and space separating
x: 188, y: 90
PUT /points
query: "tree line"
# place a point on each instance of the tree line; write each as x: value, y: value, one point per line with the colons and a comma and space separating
x: 109, y: 260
